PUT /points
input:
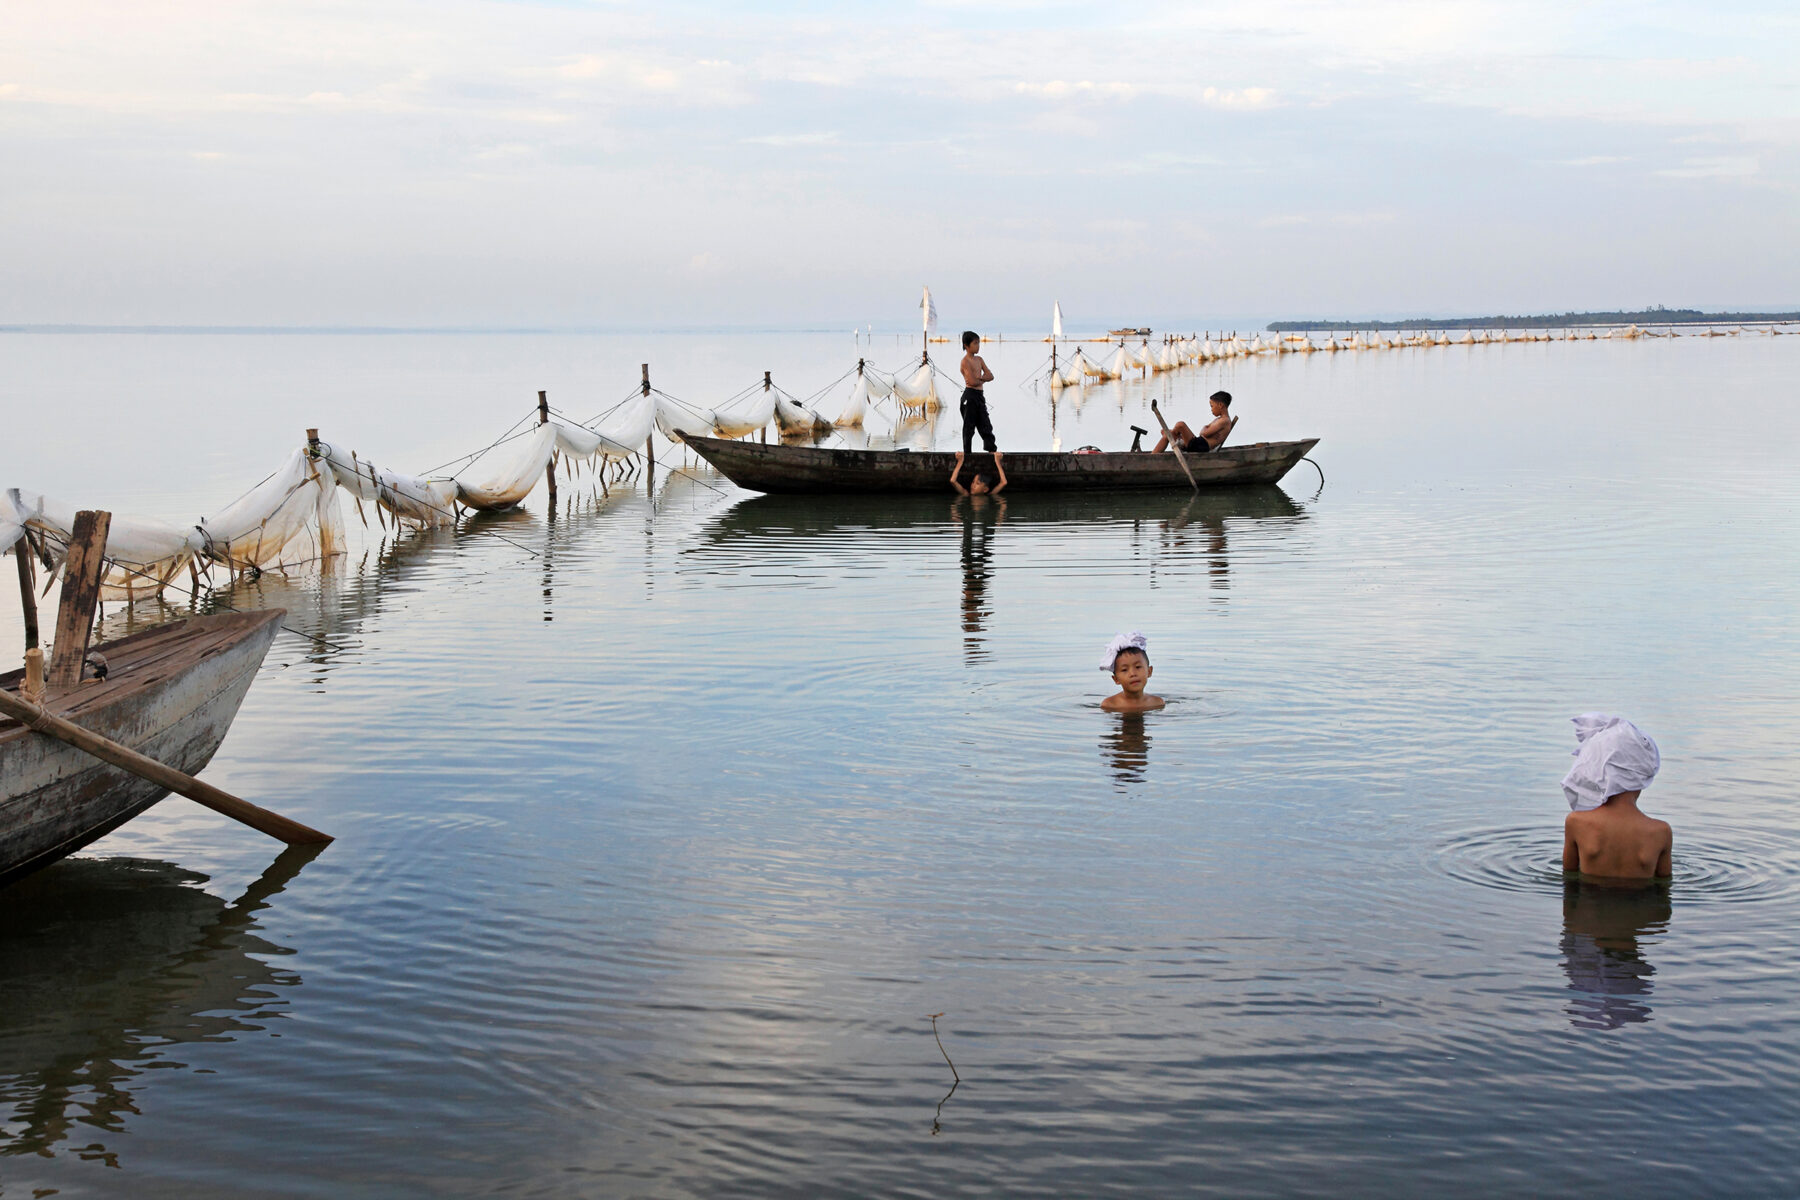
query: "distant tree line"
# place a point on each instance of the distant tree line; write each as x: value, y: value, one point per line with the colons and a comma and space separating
x: 1647, y: 316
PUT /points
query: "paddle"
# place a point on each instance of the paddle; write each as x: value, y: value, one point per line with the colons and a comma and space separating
x: 109, y: 751
x: 1175, y: 445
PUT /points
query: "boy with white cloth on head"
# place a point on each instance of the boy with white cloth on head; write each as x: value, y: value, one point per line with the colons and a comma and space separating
x: 1604, y: 834
x: 1128, y: 658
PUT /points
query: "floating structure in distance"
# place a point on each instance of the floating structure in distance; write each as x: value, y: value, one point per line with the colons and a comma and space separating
x: 1648, y: 316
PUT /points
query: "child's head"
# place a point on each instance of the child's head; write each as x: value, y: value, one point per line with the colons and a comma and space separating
x: 971, y: 341
x: 1132, y: 670
x: 1128, y: 659
x: 1612, y: 757
x: 982, y: 484
x: 1221, y: 403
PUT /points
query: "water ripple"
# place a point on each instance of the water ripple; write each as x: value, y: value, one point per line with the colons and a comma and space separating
x: 1754, y: 866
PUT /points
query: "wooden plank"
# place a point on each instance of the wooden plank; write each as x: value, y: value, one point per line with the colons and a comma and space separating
x: 82, y: 570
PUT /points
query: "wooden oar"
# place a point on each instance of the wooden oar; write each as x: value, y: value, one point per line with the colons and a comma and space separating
x: 162, y: 775
x: 1175, y: 445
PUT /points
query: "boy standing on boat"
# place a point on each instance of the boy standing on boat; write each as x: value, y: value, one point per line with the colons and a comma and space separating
x: 974, y: 401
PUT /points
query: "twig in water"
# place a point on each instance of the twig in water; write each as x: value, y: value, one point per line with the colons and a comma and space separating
x: 936, y: 1126
x: 940, y: 1041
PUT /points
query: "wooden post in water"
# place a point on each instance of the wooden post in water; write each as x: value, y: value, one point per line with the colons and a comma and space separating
x: 82, y: 570
x: 549, y: 467
x: 649, y: 442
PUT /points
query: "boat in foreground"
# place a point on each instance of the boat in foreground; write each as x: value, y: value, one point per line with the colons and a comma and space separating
x: 772, y: 468
x: 170, y: 692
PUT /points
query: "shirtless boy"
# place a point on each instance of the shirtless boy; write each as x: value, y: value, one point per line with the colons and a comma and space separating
x: 1605, y: 836
x: 1210, y: 437
x: 974, y: 401
x: 1128, y: 658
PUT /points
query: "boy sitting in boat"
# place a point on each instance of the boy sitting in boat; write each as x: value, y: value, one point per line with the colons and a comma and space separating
x: 1210, y: 437
x: 1128, y: 658
x: 1604, y: 834
x: 984, y: 483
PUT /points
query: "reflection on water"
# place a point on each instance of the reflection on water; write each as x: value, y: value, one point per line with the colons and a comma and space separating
x: 1608, y: 973
x: 1203, y: 529
x: 106, y: 966
x: 1126, y: 747
x: 980, y: 517
x: 1174, y: 515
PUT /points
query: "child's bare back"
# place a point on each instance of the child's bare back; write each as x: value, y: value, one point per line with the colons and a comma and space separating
x: 1617, y: 841
x: 1604, y: 833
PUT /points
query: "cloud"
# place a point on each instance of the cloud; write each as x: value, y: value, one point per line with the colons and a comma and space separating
x: 1063, y: 89
x: 563, y: 143
x: 1723, y: 167
x: 791, y: 139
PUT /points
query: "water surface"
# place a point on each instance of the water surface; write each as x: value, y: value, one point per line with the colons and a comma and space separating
x: 666, y: 820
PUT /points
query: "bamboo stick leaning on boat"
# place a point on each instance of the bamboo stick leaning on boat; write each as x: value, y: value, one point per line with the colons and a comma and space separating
x: 200, y: 792
x: 1174, y: 444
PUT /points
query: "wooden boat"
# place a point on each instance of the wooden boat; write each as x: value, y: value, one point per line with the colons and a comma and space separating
x: 171, y: 692
x: 771, y: 468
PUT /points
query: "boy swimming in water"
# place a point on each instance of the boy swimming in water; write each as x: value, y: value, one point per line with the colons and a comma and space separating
x: 1604, y: 834
x: 984, y: 483
x: 1128, y: 658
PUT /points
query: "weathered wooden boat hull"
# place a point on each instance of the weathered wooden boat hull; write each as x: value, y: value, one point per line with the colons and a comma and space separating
x: 773, y: 468
x: 171, y: 693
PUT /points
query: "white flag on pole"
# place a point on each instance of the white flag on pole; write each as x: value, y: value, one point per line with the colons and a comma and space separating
x: 928, y: 311
x: 1056, y: 320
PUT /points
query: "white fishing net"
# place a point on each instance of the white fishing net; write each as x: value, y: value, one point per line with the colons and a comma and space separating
x: 857, y: 407
x: 753, y: 415
x: 796, y: 419
x: 675, y: 419
x: 918, y: 390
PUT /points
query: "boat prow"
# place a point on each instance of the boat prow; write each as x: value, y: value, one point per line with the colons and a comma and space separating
x: 171, y: 693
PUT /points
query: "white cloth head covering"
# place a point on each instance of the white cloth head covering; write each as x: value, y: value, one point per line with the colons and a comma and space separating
x: 1124, y: 641
x: 1613, y: 756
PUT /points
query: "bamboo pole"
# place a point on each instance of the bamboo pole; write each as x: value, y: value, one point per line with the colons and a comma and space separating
x: 32, y: 687
x: 549, y: 467
x: 27, y: 591
x: 766, y: 386
x: 82, y: 569
x: 649, y: 442
x: 1175, y: 445
x: 161, y: 774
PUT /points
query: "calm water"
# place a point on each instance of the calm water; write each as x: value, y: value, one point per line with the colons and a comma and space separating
x: 663, y: 825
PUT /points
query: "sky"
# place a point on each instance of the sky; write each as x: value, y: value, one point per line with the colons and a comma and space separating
x: 601, y: 165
